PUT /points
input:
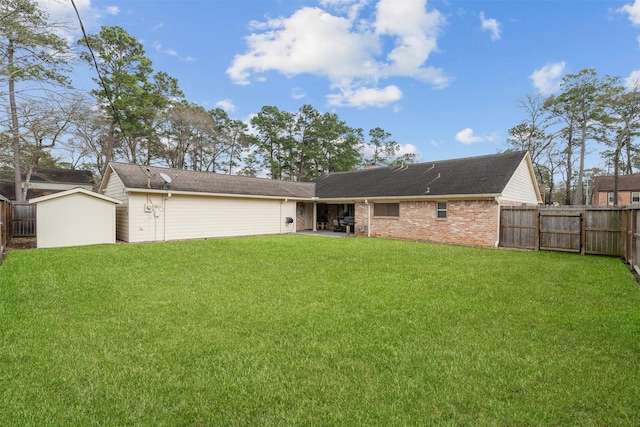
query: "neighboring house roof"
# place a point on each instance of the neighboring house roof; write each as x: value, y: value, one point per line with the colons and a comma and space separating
x: 625, y: 183
x: 148, y: 178
x: 45, y: 181
x: 74, y: 191
x: 67, y: 176
x: 484, y: 175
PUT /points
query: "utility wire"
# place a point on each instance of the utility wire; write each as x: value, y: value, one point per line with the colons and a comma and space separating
x: 102, y: 82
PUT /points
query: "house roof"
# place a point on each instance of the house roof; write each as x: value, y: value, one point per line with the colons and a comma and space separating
x: 48, y: 178
x: 483, y: 175
x: 77, y: 190
x: 67, y: 176
x: 625, y: 183
x: 148, y: 177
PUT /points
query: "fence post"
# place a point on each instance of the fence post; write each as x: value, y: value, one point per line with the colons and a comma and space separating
x: 537, y: 233
x: 583, y: 231
x: 632, y: 235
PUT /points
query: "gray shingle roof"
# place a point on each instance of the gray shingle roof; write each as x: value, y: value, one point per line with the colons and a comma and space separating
x: 134, y: 176
x: 468, y: 176
x: 54, y: 175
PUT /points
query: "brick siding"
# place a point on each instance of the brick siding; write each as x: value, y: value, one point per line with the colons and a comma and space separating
x: 468, y: 222
x: 601, y: 199
x: 300, y: 217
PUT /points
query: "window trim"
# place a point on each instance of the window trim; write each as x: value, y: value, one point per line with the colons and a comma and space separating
x: 440, y: 210
x: 636, y: 195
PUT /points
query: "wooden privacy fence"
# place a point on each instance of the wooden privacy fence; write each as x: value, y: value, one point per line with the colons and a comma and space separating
x: 23, y: 223
x: 585, y: 230
x: 5, y: 221
x: 630, y: 237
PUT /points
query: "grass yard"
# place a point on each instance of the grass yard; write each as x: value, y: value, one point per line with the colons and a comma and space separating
x: 300, y: 330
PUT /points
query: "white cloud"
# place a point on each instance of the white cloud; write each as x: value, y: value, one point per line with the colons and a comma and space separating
x: 407, y: 149
x: 351, y: 8
x: 491, y: 25
x: 298, y: 93
x: 415, y: 32
x: 547, y: 79
x: 113, y: 10
x: 226, y: 105
x: 633, y: 81
x: 466, y: 136
x: 633, y: 10
x: 346, y: 50
x: 171, y: 52
x: 365, y: 97
x: 64, y: 20
x: 158, y: 48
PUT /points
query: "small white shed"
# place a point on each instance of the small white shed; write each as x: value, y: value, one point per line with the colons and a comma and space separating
x: 75, y: 217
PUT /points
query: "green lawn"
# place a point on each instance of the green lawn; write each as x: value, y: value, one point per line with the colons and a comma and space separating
x: 300, y: 330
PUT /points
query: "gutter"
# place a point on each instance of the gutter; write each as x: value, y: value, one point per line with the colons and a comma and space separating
x: 439, y: 197
x: 228, y: 195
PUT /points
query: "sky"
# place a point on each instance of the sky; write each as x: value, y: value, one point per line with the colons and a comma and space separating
x: 444, y: 78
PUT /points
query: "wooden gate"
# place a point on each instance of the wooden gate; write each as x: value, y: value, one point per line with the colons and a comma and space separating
x: 586, y: 230
x: 519, y: 227
x: 560, y: 230
x: 24, y: 220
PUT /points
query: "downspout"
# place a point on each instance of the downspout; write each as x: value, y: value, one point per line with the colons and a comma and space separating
x: 366, y: 202
x: 282, y: 219
x: 165, y: 216
x: 498, y: 224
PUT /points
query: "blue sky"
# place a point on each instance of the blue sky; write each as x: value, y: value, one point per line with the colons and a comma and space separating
x: 443, y: 77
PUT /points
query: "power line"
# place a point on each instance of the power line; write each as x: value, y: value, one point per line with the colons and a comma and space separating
x: 102, y: 82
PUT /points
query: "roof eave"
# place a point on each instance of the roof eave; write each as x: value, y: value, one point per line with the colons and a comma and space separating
x: 169, y: 191
x: 429, y: 197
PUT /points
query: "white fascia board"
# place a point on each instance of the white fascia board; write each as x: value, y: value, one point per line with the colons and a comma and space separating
x: 75, y: 191
x: 202, y: 194
x: 491, y: 196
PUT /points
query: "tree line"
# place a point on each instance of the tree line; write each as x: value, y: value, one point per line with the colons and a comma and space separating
x: 591, y: 113
x: 135, y: 114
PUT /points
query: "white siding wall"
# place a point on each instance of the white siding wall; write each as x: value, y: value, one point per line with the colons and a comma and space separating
x: 194, y: 217
x: 115, y: 188
x: 522, y: 187
x: 75, y: 220
x: 145, y: 226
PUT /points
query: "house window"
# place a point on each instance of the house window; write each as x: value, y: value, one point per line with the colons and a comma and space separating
x: 610, y: 198
x: 635, y: 197
x: 441, y: 210
x: 386, y: 209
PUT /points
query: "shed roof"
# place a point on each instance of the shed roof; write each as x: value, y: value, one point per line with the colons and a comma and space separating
x: 483, y: 175
x: 148, y: 177
x: 625, y: 183
x: 77, y: 190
